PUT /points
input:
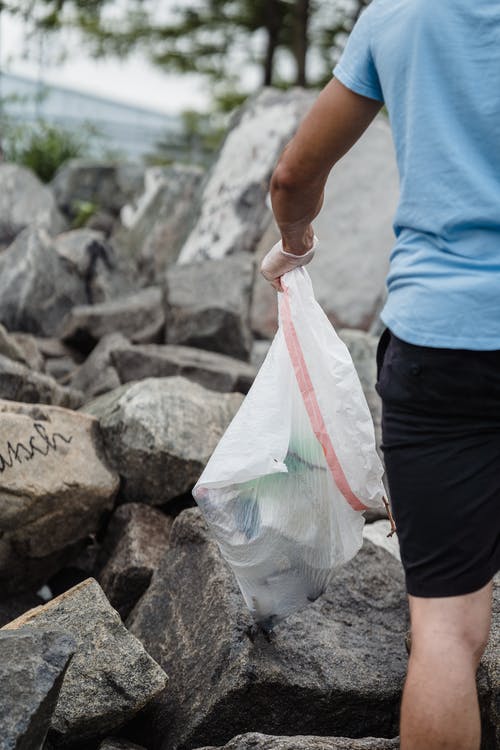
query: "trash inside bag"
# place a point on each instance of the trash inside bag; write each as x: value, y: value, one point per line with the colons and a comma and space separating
x: 284, y: 490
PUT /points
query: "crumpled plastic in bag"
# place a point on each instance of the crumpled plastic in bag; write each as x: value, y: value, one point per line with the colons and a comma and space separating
x: 284, y: 490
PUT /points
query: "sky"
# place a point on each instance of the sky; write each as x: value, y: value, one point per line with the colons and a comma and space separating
x: 134, y: 80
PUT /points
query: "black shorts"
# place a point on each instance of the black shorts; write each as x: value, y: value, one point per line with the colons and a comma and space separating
x: 441, y: 446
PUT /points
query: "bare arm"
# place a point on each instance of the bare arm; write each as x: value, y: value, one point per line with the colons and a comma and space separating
x: 333, y: 124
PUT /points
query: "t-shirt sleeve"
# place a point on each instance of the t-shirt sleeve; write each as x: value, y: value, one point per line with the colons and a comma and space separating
x: 356, y: 68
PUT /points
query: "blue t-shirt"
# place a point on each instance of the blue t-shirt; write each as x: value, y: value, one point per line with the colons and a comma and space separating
x: 436, y: 66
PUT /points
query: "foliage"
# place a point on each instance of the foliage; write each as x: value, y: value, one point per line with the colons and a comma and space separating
x: 42, y: 146
x: 82, y: 211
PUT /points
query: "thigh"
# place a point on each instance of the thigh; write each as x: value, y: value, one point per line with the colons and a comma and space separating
x: 441, y: 445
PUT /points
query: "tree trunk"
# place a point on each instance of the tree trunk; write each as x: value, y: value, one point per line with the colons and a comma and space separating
x: 301, y: 24
x: 273, y: 21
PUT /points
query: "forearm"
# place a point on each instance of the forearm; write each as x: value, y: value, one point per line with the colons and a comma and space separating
x: 295, y: 205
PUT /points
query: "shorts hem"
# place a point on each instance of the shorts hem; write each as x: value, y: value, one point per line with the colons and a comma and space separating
x: 441, y: 590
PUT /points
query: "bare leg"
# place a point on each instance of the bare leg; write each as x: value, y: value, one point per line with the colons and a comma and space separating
x: 440, y: 709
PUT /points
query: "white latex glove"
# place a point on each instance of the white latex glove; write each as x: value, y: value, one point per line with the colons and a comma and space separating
x: 278, y: 261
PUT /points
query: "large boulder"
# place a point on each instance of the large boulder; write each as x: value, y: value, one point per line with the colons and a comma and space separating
x: 207, y: 305
x: 349, y: 269
x: 160, y: 432
x: 138, y: 315
x: 25, y: 201
x: 108, y: 185
x: 156, y: 227
x: 257, y: 741
x: 32, y: 669
x: 97, y: 374
x: 135, y: 541
x: 41, y: 279
x: 20, y: 383
x: 335, y: 668
x: 110, y: 677
x: 54, y: 489
x: 233, y: 212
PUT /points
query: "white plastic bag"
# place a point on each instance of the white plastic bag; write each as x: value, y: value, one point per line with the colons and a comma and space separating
x: 284, y: 489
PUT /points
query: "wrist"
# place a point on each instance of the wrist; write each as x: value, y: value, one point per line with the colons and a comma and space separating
x: 298, y: 252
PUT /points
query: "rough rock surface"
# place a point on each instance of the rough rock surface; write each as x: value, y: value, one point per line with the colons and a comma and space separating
x: 158, y: 225
x: 160, y: 432
x: 335, y: 668
x: 210, y: 369
x: 233, y: 210
x: 489, y: 679
x: 135, y: 541
x: 207, y: 305
x: 32, y: 668
x: 109, y: 186
x: 25, y: 200
x: 349, y: 269
x: 54, y: 489
x: 256, y: 741
x: 19, y: 383
x: 117, y: 744
x: 41, y: 279
x: 115, y: 361
x: 110, y: 676
x: 20, y: 348
x: 138, y: 315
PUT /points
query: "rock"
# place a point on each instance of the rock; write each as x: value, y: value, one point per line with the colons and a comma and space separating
x: 97, y: 374
x: 363, y: 348
x: 377, y: 533
x: 207, y: 305
x: 157, y: 227
x: 215, y: 371
x: 259, y: 353
x: 15, y: 605
x: 42, y: 279
x: 138, y: 315
x: 160, y: 432
x: 32, y: 669
x: 32, y: 355
x: 349, y: 269
x: 116, y: 744
x: 19, y: 383
x: 25, y: 201
x: 256, y: 741
x: 54, y: 489
x: 489, y: 679
x: 136, y: 539
x: 60, y: 368
x: 12, y: 349
x: 110, y: 677
x: 335, y: 668
x: 108, y: 185
x: 233, y: 210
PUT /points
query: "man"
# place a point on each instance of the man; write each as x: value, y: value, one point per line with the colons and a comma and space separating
x: 436, y: 66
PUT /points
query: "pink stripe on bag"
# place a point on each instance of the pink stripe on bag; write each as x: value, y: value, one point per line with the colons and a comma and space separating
x: 312, y: 406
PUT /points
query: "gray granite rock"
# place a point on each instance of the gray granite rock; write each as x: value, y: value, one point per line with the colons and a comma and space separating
x: 31, y: 353
x: 138, y: 315
x: 41, y: 279
x: 117, y: 744
x: 23, y: 350
x: 210, y: 369
x: 25, y: 201
x: 489, y: 679
x: 110, y: 677
x: 136, y: 539
x: 156, y: 227
x: 256, y: 741
x: 354, y: 228
x: 233, y: 210
x: 335, y: 668
x: 207, y: 305
x: 160, y: 432
x: 109, y: 185
x: 20, y: 383
x: 97, y: 374
x: 54, y: 489
x: 32, y: 669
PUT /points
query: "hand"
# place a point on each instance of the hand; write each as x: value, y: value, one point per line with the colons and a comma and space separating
x: 278, y: 261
